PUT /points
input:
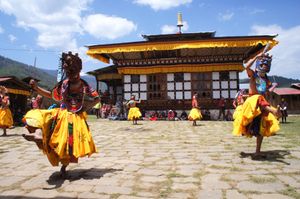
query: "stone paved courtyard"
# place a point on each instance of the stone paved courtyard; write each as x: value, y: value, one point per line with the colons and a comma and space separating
x: 162, y: 159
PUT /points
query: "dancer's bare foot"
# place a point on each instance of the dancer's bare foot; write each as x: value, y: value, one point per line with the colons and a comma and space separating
x: 34, y: 137
x: 63, y: 172
x: 4, y: 132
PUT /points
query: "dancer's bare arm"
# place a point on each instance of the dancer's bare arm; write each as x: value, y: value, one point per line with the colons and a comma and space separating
x: 39, y: 90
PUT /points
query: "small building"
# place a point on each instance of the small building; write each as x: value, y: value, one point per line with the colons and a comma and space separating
x: 291, y: 96
x: 165, y: 70
x: 18, y: 92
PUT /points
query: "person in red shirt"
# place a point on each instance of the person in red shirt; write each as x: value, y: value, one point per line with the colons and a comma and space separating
x: 36, y: 103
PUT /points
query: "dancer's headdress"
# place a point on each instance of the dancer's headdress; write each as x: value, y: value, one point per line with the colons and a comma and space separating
x: 264, y: 60
x: 68, y: 62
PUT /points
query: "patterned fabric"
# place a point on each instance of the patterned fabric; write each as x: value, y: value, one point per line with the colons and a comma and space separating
x: 66, y: 135
x: 262, y: 84
x: 73, y: 101
x: 250, y: 119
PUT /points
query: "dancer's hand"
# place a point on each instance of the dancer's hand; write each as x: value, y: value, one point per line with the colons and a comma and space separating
x: 33, y: 84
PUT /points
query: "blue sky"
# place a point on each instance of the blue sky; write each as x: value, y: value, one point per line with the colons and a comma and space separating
x: 42, y: 29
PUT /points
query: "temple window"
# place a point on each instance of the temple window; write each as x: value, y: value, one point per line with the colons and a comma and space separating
x: 179, y: 86
x: 135, y: 85
x: 202, y: 84
x: 224, y: 84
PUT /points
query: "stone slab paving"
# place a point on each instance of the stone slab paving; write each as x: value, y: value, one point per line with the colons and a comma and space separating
x: 155, y: 160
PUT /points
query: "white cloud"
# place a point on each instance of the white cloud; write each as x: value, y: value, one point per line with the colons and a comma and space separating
x: 56, y: 23
x: 225, y: 16
x: 59, y: 23
x: 162, y: 4
x: 170, y: 29
x: 12, y: 38
x: 107, y: 27
x: 1, y: 29
x: 286, y: 57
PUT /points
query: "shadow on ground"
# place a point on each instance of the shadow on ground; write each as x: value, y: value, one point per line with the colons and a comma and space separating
x: 271, y: 156
x: 77, y: 174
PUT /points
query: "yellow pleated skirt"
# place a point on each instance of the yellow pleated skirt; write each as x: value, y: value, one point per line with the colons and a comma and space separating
x: 245, y: 114
x: 55, y: 125
x: 195, y: 114
x: 6, y: 119
x: 134, y: 113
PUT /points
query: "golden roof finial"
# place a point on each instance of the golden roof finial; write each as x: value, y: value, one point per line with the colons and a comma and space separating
x: 179, y: 22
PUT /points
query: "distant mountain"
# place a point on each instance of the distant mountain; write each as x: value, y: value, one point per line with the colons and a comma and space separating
x: 9, y: 67
x: 88, y: 78
x: 282, y: 81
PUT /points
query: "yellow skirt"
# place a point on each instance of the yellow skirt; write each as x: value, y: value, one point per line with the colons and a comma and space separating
x: 195, y: 114
x: 245, y: 114
x: 237, y: 112
x: 134, y: 113
x: 6, y: 119
x: 56, y: 125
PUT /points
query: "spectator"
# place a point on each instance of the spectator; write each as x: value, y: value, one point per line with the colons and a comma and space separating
x: 97, y: 109
x: 171, y: 115
x: 207, y: 114
x: 228, y: 115
x: 283, y: 109
x: 183, y: 115
x: 36, y: 103
x: 221, y: 106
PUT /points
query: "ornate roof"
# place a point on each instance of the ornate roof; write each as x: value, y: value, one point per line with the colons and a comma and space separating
x: 180, y: 46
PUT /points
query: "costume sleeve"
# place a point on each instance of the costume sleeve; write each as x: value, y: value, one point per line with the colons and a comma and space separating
x: 56, y: 93
x: 91, y: 92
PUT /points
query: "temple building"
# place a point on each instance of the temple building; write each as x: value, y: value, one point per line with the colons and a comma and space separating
x: 165, y: 70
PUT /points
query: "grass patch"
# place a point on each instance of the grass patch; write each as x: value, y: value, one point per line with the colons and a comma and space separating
x: 218, y: 167
x: 290, y: 191
x: 174, y: 175
x: 114, y: 196
x: 199, y: 174
x: 261, y: 180
x: 236, y: 169
x: 225, y: 178
x: 228, y: 147
x: 166, y: 188
x: 290, y: 131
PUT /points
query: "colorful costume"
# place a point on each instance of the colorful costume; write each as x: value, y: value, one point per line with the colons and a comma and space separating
x: 6, y: 119
x: 66, y: 135
x: 134, y: 112
x: 195, y: 113
x: 250, y: 118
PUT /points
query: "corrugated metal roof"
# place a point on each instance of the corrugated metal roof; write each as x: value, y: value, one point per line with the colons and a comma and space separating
x: 296, y: 85
x: 3, y: 79
x: 286, y: 91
